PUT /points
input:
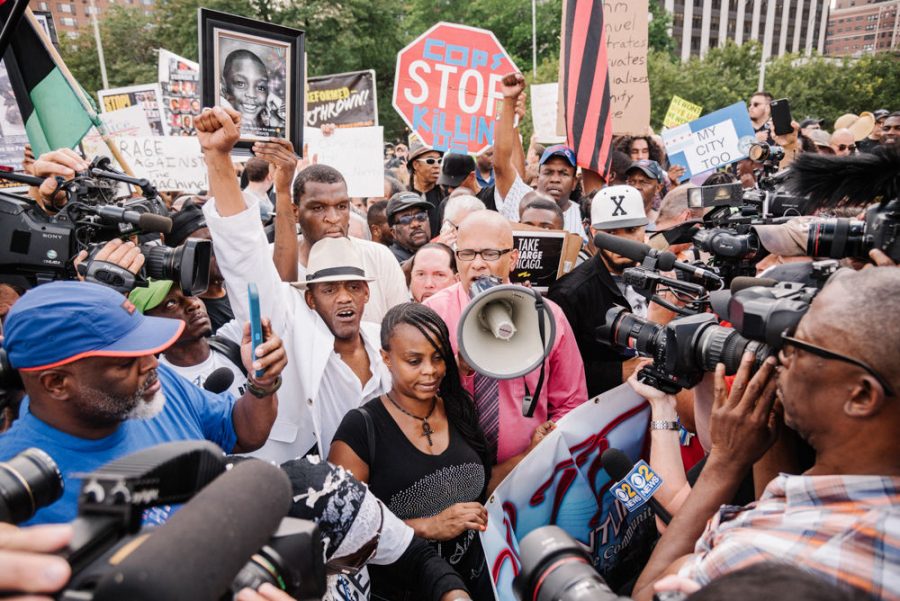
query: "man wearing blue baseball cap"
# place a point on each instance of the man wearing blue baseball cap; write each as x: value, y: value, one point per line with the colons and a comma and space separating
x: 649, y: 179
x: 96, y: 392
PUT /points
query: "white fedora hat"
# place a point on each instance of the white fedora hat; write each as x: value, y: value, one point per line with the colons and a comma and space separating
x: 333, y: 260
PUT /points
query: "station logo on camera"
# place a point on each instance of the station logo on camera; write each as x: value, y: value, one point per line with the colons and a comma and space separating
x: 637, y: 487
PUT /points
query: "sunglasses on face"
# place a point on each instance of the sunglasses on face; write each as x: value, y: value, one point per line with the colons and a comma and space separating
x: 430, y: 161
x: 407, y: 219
x: 843, y: 147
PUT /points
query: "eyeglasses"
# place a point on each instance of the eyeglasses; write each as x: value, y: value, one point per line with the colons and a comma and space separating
x: 843, y: 147
x: 826, y: 354
x: 890, y: 127
x: 407, y: 219
x: 430, y: 161
x: 488, y: 254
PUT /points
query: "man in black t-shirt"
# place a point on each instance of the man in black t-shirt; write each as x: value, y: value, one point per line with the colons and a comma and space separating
x: 424, y: 166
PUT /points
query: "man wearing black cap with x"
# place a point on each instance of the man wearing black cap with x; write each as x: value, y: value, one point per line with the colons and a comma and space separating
x: 407, y: 214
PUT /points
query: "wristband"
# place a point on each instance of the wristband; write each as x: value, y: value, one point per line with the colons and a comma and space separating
x: 260, y: 392
x: 663, y: 425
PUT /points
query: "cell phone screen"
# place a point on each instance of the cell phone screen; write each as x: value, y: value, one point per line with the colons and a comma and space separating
x: 781, y: 116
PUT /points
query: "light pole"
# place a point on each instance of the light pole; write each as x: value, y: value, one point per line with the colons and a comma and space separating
x: 99, y: 46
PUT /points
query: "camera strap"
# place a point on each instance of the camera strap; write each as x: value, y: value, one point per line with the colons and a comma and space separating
x: 529, y: 401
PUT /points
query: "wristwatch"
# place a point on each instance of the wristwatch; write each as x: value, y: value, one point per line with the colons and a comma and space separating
x: 664, y: 425
x: 261, y: 393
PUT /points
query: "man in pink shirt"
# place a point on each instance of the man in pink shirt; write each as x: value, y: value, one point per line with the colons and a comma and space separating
x: 499, y: 402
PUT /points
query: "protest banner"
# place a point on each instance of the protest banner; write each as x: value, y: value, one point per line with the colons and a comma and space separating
x: 12, y: 129
x: 544, y: 100
x: 447, y: 84
x: 626, y: 47
x: 711, y: 141
x: 681, y: 111
x: 544, y: 255
x: 171, y: 163
x: 146, y: 95
x: 562, y: 483
x: 179, y: 81
x: 344, y: 99
x: 357, y: 152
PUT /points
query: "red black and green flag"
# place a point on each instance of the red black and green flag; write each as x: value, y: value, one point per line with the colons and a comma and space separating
x: 585, y: 84
x: 53, y: 114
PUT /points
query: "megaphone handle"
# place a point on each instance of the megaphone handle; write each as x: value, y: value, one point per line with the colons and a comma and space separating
x: 529, y: 402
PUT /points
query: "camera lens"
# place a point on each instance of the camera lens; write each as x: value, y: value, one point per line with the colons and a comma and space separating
x: 556, y: 567
x: 187, y: 265
x: 28, y: 481
x: 718, y: 344
x: 630, y: 331
x: 836, y: 238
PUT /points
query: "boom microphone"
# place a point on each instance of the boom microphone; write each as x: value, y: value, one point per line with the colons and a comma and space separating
x: 219, y: 380
x: 636, y: 251
x: 147, y: 222
x: 196, y: 554
x: 617, y: 465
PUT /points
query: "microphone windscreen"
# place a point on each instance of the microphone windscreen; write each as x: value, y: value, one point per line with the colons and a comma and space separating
x: 150, y: 222
x: 741, y: 282
x: 616, y: 463
x: 636, y: 251
x: 219, y: 380
x: 666, y: 261
x: 197, y: 553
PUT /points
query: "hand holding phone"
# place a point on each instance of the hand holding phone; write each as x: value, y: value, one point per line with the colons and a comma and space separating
x: 781, y: 116
x: 256, y: 333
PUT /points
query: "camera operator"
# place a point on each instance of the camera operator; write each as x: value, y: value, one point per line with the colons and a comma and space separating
x: 96, y: 392
x: 837, y: 384
x: 64, y: 163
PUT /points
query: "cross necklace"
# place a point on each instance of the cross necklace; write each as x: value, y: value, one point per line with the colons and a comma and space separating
x: 426, y: 427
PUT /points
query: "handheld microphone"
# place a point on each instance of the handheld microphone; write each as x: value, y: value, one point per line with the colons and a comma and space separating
x: 147, y: 222
x: 617, y: 465
x: 219, y: 380
x: 637, y: 251
x: 196, y: 554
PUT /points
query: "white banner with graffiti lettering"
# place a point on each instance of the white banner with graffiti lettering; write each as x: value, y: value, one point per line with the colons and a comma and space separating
x: 562, y: 483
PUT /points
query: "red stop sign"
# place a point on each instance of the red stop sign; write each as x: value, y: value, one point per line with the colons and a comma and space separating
x: 447, y: 85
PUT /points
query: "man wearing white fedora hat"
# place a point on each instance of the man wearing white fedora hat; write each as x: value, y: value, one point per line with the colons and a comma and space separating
x: 334, y: 362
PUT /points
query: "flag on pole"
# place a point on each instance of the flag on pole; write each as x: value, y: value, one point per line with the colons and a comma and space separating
x: 54, y: 115
x: 585, y: 84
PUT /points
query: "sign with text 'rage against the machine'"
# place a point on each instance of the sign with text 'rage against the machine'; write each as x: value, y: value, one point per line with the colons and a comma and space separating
x: 712, y: 141
x: 447, y: 86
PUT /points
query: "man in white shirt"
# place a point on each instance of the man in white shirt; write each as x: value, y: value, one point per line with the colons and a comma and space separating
x: 334, y: 363
x: 259, y: 182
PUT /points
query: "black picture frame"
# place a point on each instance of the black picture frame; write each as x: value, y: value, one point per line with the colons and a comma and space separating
x: 260, y: 47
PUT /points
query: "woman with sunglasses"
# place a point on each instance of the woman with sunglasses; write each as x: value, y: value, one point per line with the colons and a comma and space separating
x: 420, y: 449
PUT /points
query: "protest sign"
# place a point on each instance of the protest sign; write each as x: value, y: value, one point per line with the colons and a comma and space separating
x: 544, y: 255
x: 179, y: 86
x: 12, y: 129
x: 711, y: 141
x: 447, y: 85
x: 131, y: 121
x: 562, y: 483
x: 146, y: 95
x: 544, y: 101
x: 626, y: 47
x: 345, y: 99
x: 171, y: 163
x: 681, y: 111
x: 357, y: 152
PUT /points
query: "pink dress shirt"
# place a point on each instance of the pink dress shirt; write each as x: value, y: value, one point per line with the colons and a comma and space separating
x: 564, y: 385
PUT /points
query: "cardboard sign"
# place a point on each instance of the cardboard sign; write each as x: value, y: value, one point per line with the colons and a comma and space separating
x: 357, y: 152
x: 637, y: 486
x: 626, y: 48
x: 544, y: 106
x: 544, y: 255
x: 179, y: 80
x: 681, y: 111
x: 711, y: 141
x: 170, y: 163
x: 345, y: 99
x: 146, y: 95
x: 562, y: 482
x: 447, y: 85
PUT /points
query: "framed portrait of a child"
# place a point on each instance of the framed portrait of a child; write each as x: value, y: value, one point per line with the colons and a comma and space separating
x: 257, y: 69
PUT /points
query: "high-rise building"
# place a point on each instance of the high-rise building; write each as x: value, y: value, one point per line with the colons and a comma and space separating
x: 781, y: 26
x: 70, y: 15
x: 857, y: 27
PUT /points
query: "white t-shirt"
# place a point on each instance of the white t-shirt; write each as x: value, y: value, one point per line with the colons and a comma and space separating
x: 197, y: 374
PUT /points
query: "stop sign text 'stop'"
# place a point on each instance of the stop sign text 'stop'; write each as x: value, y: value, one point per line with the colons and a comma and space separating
x: 447, y: 85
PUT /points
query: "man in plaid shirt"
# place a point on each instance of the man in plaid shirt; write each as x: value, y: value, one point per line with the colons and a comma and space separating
x: 837, y: 380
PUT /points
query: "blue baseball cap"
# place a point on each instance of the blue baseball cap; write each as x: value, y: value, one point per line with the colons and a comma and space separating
x: 560, y: 150
x: 61, y: 322
x: 649, y: 168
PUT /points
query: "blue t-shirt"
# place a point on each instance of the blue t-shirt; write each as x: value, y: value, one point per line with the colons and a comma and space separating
x: 190, y: 413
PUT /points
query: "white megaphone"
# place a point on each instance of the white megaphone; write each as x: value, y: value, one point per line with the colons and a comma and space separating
x: 506, y: 331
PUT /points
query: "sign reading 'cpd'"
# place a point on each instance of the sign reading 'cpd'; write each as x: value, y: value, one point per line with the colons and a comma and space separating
x: 447, y: 86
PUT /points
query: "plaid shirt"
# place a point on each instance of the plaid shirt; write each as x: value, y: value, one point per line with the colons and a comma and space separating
x: 843, y: 528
